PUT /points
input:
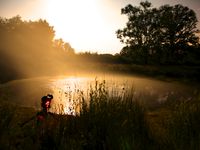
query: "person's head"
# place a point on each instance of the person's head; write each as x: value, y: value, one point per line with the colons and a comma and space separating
x: 46, y: 101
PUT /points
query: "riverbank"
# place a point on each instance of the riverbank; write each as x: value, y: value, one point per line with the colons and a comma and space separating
x: 162, y: 72
x: 108, y: 122
x: 185, y: 74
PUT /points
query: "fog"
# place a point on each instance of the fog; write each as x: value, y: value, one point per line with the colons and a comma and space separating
x: 31, y: 57
x: 29, y: 49
x: 69, y: 90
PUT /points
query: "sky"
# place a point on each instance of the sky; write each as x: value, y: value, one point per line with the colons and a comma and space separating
x: 88, y: 25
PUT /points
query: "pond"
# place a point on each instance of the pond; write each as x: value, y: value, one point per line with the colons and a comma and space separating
x: 68, y: 91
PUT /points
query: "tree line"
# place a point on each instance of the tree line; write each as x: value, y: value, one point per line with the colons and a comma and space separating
x: 29, y: 48
x: 164, y: 35
x: 160, y: 36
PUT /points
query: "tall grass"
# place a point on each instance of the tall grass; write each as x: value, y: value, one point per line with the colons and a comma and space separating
x: 113, y: 122
x: 106, y: 121
x: 183, y: 128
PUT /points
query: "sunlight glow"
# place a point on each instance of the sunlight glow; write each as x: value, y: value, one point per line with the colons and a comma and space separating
x: 68, y: 95
x: 82, y: 24
x: 76, y: 20
x: 88, y: 25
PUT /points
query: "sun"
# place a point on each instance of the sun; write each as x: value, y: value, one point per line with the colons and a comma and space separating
x: 76, y: 21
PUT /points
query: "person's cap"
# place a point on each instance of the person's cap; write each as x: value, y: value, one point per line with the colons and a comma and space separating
x: 50, y: 96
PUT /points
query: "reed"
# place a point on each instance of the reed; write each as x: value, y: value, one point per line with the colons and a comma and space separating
x: 105, y: 121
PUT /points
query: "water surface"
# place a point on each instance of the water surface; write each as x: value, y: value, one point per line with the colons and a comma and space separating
x: 69, y: 90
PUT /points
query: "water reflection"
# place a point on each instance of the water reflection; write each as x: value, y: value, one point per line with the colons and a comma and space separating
x: 68, y: 92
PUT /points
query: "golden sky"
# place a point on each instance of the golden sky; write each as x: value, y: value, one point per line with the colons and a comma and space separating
x: 88, y: 25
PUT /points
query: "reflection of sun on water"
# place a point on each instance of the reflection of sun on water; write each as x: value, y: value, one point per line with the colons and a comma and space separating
x: 68, y: 94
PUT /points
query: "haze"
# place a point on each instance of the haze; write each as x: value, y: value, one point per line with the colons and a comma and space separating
x: 88, y: 25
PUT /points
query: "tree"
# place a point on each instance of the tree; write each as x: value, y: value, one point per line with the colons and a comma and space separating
x: 178, y: 30
x: 27, y: 48
x: 62, y: 46
x: 160, y: 35
x: 137, y: 33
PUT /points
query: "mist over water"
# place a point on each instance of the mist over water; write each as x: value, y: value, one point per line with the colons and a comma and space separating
x: 28, y: 49
x: 29, y: 52
x: 69, y: 90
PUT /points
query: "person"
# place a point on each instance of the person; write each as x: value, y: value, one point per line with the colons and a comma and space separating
x: 41, y: 115
x: 46, y: 102
x: 46, y: 105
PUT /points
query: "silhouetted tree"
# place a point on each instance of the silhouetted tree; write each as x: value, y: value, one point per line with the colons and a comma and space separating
x: 178, y: 31
x: 137, y: 33
x: 161, y: 35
